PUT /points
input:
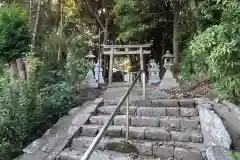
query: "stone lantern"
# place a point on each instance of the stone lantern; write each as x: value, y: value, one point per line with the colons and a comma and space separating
x: 168, y: 60
x: 90, y: 79
x: 168, y: 80
x: 153, y: 72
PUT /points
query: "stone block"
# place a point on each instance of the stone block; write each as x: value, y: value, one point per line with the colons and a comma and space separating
x: 81, y: 142
x: 163, y: 152
x: 145, y: 148
x: 173, y: 111
x: 190, y: 124
x: 193, y: 154
x: 180, y: 136
x: 157, y: 134
x: 173, y: 123
x: 189, y: 112
x: 114, y: 131
x: 121, y: 120
x: 80, y: 119
x: 132, y: 110
x: 135, y: 132
x: 143, y: 103
x: 101, y: 120
x: 90, y: 130
x: 165, y: 103
x: 187, y: 102
x: 106, y: 109
x: 197, y: 137
x: 151, y: 112
x: 180, y: 153
x: 145, y: 121
x: 90, y: 109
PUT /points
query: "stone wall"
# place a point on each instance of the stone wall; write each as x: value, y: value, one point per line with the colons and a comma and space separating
x: 216, y: 138
x: 61, y: 134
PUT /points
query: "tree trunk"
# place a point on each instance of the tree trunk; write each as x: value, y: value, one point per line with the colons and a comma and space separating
x: 21, y: 69
x: 36, y: 26
x: 14, y: 70
x: 60, y: 31
x: 194, y: 10
x: 176, y: 11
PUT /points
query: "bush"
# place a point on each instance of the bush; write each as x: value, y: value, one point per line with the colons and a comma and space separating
x: 15, y: 32
x: 28, y: 109
x: 215, y: 53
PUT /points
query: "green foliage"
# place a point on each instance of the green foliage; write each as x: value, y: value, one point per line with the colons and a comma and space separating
x: 14, y: 32
x: 215, y: 53
x: 235, y: 155
x: 28, y: 109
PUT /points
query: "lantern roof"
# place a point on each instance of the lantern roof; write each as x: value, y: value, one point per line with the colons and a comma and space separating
x: 168, y: 55
x: 90, y: 55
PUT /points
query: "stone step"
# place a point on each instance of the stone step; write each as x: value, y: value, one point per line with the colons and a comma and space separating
x: 71, y: 154
x: 151, y: 111
x: 147, y: 133
x: 168, y: 122
x: 163, y: 150
x: 187, y: 103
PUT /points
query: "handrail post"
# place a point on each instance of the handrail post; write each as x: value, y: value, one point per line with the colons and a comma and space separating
x: 144, y: 85
x: 127, y: 114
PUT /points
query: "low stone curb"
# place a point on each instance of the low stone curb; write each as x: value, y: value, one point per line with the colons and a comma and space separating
x: 235, y: 109
x: 61, y: 134
x: 216, y: 138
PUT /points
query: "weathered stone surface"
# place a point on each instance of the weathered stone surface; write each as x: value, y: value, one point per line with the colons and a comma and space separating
x: 145, y: 121
x: 90, y: 130
x: 132, y: 110
x: 173, y: 111
x: 174, y: 123
x: 80, y: 119
x: 187, y: 102
x: 157, y: 134
x: 235, y: 109
x: 143, y: 103
x: 36, y: 156
x: 188, y: 112
x: 135, y: 132
x: 106, y: 109
x: 190, y: 124
x: 180, y: 136
x: 99, y: 119
x: 213, y: 130
x: 121, y: 120
x: 114, y: 131
x: 90, y: 109
x: 217, y: 153
x: 145, y: 148
x: 194, y: 154
x: 184, y: 154
x: 180, y: 153
x: 163, y: 152
x: 165, y: 103
x: 85, y: 142
x: 197, y: 137
x: 151, y: 112
x: 69, y: 154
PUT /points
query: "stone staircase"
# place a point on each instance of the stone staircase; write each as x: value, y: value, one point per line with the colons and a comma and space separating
x: 163, y: 129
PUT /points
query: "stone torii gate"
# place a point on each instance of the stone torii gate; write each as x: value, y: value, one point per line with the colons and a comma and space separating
x: 139, y: 49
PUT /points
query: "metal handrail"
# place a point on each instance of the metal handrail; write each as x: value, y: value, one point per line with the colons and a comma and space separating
x: 100, y: 135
